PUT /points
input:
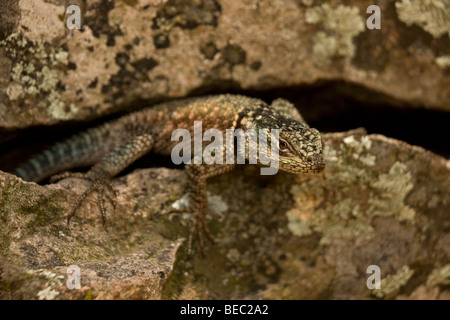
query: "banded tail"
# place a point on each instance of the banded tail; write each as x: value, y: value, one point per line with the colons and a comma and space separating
x: 82, y: 149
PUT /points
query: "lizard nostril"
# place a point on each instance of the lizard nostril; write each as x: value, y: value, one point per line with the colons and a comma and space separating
x: 314, y: 159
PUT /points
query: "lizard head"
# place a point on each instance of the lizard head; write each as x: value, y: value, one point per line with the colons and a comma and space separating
x: 300, y: 148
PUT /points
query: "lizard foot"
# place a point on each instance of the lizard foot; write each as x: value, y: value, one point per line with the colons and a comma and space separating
x: 102, y: 187
x: 199, y: 227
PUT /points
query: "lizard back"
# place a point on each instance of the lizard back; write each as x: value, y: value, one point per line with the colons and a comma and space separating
x: 88, y: 147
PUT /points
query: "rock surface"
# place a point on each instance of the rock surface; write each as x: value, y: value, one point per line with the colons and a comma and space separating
x: 132, y: 51
x: 379, y: 202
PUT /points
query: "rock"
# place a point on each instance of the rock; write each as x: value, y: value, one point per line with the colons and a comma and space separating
x: 128, y: 260
x: 132, y: 51
x: 380, y: 202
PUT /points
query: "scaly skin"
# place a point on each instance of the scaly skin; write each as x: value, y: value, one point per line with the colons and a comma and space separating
x: 113, y: 146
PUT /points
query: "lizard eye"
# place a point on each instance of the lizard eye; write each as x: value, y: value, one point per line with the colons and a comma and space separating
x: 283, y: 146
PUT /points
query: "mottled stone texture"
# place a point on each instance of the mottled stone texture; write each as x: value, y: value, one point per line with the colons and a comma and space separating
x: 379, y: 202
x: 147, y: 50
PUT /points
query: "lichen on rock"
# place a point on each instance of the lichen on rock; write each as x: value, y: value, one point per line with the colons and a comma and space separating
x: 439, y: 276
x: 35, y: 72
x: 392, y: 189
x: 393, y: 282
x: 381, y: 194
x: 341, y: 25
x: 431, y: 15
x: 443, y: 61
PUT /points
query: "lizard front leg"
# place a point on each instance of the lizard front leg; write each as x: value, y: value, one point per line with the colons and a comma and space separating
x: 198, y: 174
x: 287, y: 109
x: 100, y: 174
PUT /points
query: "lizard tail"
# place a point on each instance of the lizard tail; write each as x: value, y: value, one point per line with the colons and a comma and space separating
x: 80, y: 150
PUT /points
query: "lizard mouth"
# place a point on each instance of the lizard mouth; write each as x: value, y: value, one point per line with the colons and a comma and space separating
x: 317, y: 168
x: 299, y: 166
x: 316, y: 164
x: 304, y: 169
x: 313, y: 167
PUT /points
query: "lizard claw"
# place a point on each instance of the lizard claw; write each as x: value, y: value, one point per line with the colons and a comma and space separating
x: 103, y: 188
x: 199, y: 227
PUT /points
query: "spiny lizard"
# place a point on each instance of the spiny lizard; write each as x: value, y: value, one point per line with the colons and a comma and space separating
x: 113, y: 146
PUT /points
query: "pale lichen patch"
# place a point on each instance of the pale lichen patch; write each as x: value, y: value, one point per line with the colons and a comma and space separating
x: 393, y: 282
x: 297, y: 225
x: 359, y: 149
x: 234, y: 255
x: 49, y: 79
x: 57, y: 108
x: 182, y: 203
x: 343, y: 219
x: 432, y: 15
x: 15, y: 91
x: 392, y: 189
x: 53, y: 280
x: 439, y: 276
x: 341, y: 25
x: 215, y: 203
x: 47, y: 294
x: 354, y: 155
x: 35, y: 72
x: 443, y: 62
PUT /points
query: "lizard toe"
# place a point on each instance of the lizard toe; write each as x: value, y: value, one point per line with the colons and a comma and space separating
x: 104, y: 191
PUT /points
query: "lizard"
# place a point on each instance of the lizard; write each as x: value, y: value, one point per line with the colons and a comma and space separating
x: 113, y: 146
